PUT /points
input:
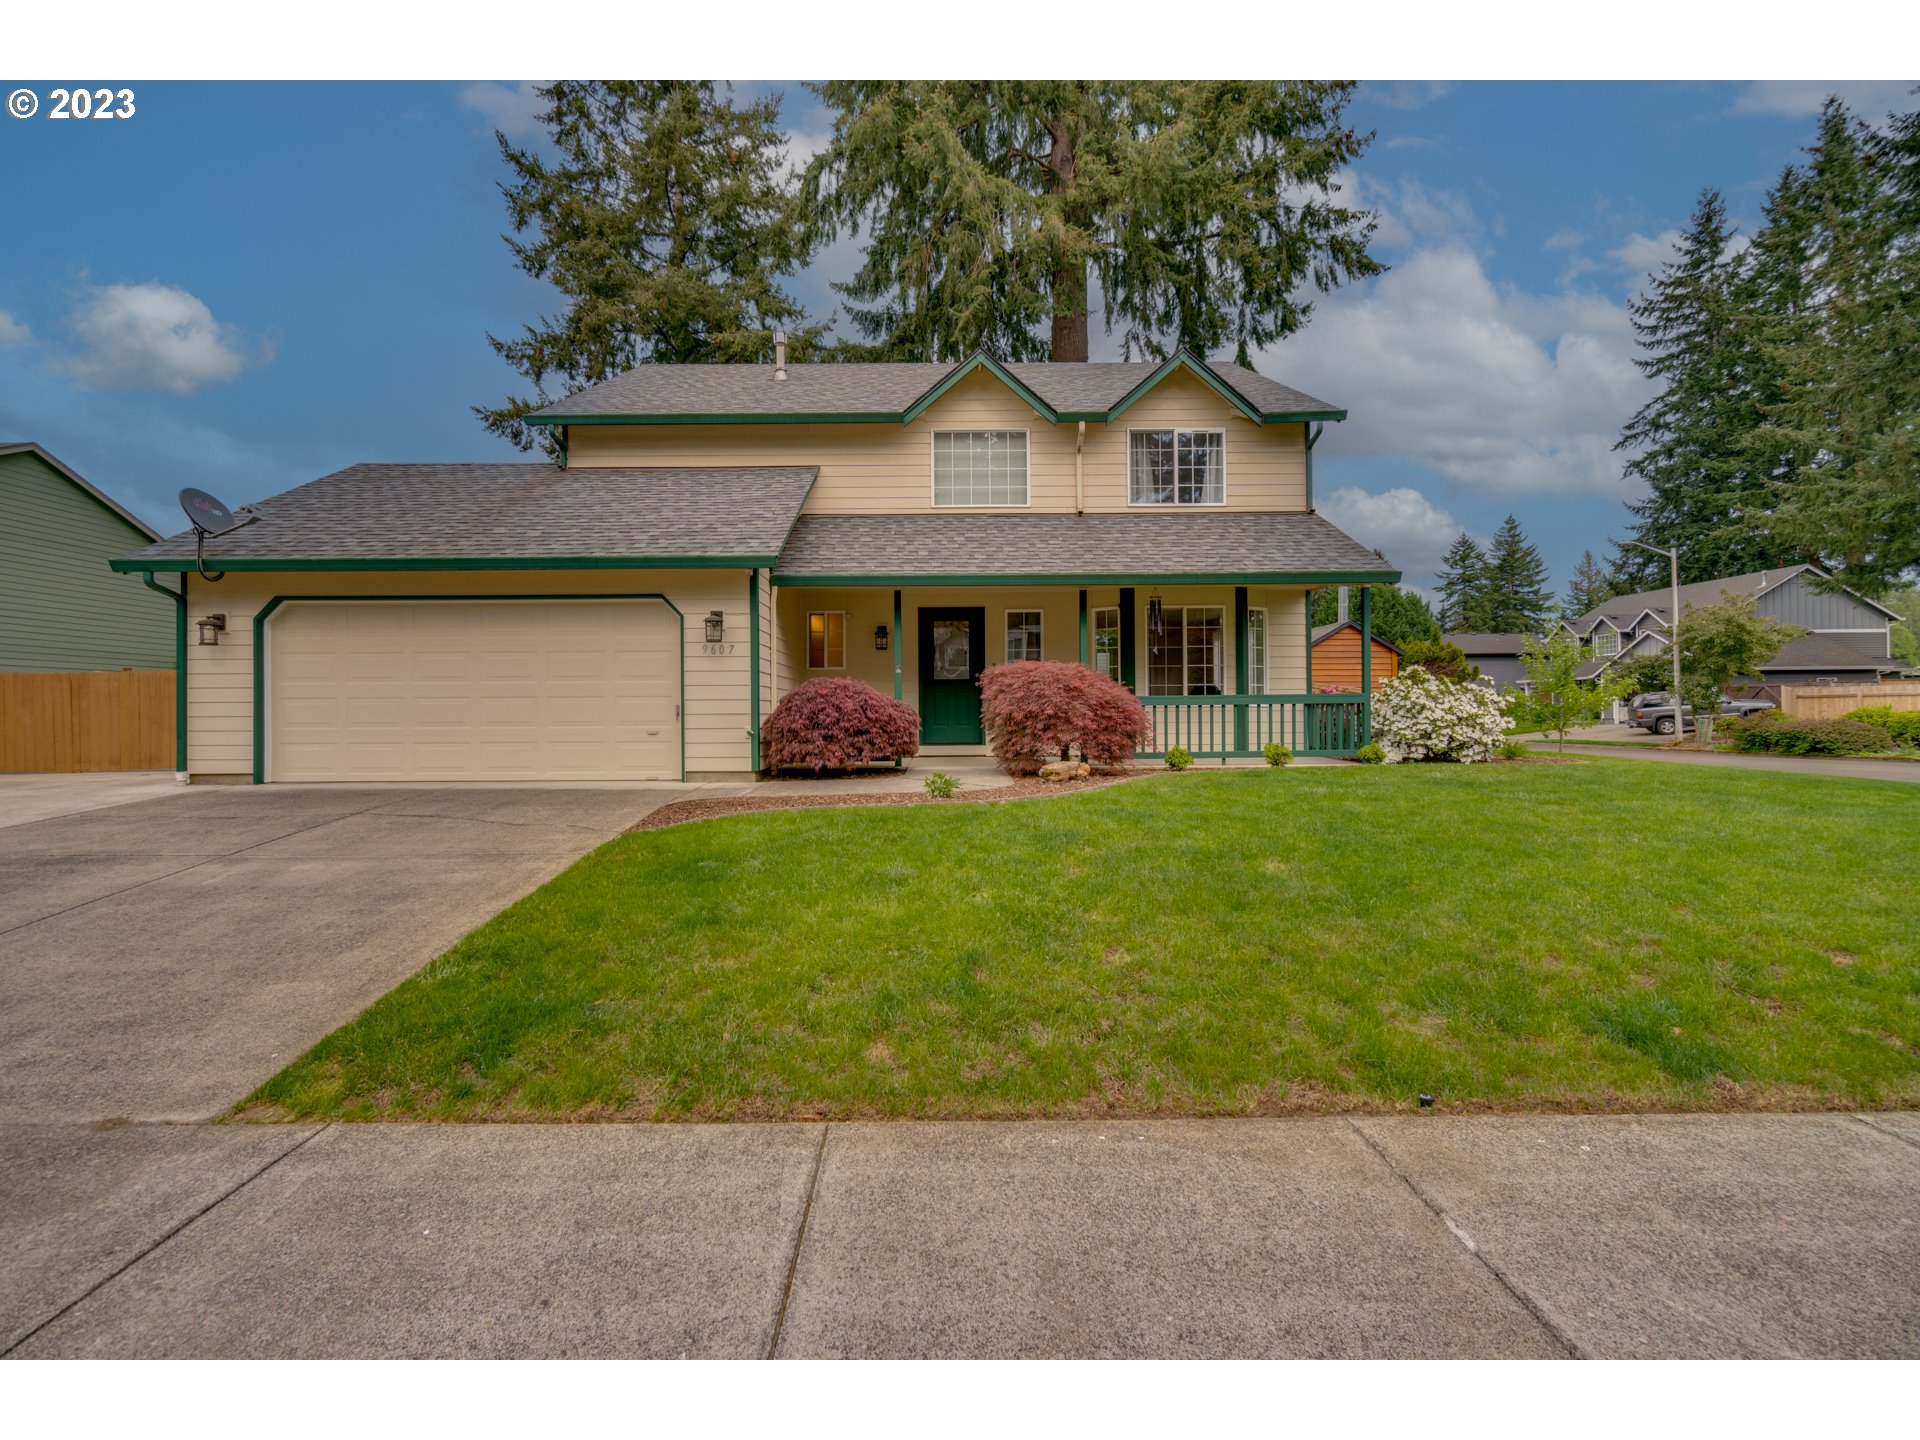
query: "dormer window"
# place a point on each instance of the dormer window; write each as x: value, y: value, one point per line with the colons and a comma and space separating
x: 1177, y: 467
x: 1606, y: 640
x: 979, y: 467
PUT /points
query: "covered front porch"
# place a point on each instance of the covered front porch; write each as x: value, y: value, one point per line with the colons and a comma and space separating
x: 1222, y: 669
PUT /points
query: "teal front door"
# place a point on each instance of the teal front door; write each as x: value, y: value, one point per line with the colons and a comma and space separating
x: 953, y: 652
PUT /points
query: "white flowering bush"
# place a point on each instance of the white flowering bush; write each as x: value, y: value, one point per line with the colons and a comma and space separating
x: 1419, y: 716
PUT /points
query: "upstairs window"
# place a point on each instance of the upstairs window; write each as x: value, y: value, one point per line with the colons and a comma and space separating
x: 979, y: 467
x: 1606, y: 640
x: 1177, y: 467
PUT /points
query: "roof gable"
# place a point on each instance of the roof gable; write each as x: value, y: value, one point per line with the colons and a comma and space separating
x: 68, y: 473
x: 1323, y: 632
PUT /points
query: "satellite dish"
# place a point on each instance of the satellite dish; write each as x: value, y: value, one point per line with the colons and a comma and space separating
x: 209, y: 517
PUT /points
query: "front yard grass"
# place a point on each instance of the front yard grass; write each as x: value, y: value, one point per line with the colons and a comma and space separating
x: 1604, y: 935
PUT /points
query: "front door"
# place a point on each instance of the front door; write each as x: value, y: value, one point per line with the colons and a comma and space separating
x: 953, y: 652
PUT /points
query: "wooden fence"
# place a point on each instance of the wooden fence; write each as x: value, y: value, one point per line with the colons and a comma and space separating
x: 1830, y: 702
x: 86, y: 720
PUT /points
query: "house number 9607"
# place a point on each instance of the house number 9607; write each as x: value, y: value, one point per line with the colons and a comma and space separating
x: 716, y: 647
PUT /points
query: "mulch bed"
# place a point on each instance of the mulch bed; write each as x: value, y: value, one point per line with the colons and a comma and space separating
x: 682, y: 811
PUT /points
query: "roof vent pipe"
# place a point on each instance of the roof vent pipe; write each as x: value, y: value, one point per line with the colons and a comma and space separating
x: 779, y: 354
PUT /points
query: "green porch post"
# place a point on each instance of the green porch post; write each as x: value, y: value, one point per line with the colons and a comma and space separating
x: 753, y: 660
x: 1129, y: 638
x: 1239, y: 665
x: 1366, y: 663
x: 1083, y: 628
x: 898, y: 682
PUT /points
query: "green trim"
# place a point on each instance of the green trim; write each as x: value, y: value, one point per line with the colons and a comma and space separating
x: 362, y: 563
x: 1084, y: 659
x: 1313, y: 439
x: 179, y: 598
x: 753, y: 684
x: 899, y: 679
x: 1366, y: 649
x: 852, y: 417
x: 1240, y: 608
x: 1129, y: 638
x: 980, y: 360
x: 561, y: 440
x: 1183, y: 360
x: 1305, y: 724
x: 265, y: 612
x: 1287, y: 577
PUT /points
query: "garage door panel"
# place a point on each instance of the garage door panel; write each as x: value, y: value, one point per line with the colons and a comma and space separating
x: 466, y: 690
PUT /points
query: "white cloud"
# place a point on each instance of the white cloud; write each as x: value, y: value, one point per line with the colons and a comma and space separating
x: 1414, y: 142
x: 1562, y: 240
x: 153, y: 337
x: 1871, y: 100
x: 1407, y: 212
x: 12, y: 331
x: 514, y: 109
x: 1644, y: 254
x: 1404, y: 94
x: 1401, y: 523
x: 1501, y: 391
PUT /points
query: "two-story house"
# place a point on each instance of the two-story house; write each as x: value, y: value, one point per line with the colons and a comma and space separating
x: 719, y: 534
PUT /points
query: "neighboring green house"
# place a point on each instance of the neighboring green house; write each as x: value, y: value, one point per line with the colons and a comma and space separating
x: 61, y: 608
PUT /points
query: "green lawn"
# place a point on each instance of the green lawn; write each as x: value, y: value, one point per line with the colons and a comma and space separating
x: 1236, y: 942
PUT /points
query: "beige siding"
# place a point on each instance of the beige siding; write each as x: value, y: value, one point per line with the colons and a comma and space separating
x: 885, y: 468
x: 220, y: 678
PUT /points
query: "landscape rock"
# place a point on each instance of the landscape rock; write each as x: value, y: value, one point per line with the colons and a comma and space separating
x: 1066, y: 770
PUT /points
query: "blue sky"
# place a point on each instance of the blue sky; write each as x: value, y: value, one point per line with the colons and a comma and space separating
x: 246, y: 286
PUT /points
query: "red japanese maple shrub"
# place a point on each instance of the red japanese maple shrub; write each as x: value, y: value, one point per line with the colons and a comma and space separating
x: 830, y: 724
x: 1038, y: 710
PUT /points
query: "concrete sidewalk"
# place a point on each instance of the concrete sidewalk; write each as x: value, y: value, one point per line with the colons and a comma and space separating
x: 1402, y: 1236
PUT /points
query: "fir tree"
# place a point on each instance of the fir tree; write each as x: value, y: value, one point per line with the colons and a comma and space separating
x: 1201, y: 208
x: 1707, y: 496
x: 1516, y: 594
x: 1462, y: 583
x: 1848, y: 397
x: 1591, y: 587
x: 667, y: 220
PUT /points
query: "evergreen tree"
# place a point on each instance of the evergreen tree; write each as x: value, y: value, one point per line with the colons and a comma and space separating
x: 1399, y: 616
x: 1462, y: 583
x: 1707, y: 496
x: 667, y: 220
x: 1592, y: 586
x: 1516, y: 593
x: 1201, y: 208
x: 1848, y: 398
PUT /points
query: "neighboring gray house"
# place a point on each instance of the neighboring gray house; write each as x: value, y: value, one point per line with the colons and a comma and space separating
x: 1847, y: 641
x: 1498, y: 656
x: 61, y: 608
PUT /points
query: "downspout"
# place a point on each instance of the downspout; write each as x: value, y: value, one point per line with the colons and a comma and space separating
x: 1079, y: 471
x: 179, y: 598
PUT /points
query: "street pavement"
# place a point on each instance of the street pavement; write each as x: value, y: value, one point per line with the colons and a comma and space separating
x: 1907, y: 771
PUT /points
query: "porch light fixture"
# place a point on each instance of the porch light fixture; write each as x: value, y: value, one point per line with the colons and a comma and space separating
x: 210, y: 629
x: 879, y: 637
x: 716, y: 627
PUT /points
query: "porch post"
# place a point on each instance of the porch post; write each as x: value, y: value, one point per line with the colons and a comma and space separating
x: 1366, y: 663
x: 898, y: 692
x: 1083, y: 627
x: 1240, y: 665
x: 1129, y: 639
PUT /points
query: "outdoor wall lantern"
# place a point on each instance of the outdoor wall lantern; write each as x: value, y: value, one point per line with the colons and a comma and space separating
x: 210, y: 629
x: 879, y: 637
x: 716, y: 627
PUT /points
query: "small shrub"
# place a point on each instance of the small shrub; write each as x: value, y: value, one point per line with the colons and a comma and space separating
x: 1370, y: 754
x: 1419, y: 716
x: 1771, y: 733
x: 1513, y: 750
x: 1276, y: 753
x: 1449, y: 662
x: 1040, y: 710
x: 1179, y: 758
x: 1903, y: 726
x: 833, y: 723
x: 941, y: 787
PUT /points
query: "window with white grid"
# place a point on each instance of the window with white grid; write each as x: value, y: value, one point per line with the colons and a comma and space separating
x: 979, y: 467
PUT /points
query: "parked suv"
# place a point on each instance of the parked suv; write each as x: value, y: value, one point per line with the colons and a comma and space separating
x: 1654, y: 711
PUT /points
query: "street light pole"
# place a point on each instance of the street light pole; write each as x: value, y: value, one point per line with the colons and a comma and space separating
x: 1673, y: 631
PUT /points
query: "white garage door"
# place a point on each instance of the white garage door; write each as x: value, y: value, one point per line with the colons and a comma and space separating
x: 473, y: 690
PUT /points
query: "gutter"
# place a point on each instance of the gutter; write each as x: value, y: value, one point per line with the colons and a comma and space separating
x: 179, y: 598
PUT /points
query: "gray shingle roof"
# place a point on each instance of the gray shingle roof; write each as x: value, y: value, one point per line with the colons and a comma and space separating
x: 888, y: 390
x: 1823, y: 653
x: 1222, y: 543
x: 1485, y: 643
x: 526, y: 512
x: 1625, y: 609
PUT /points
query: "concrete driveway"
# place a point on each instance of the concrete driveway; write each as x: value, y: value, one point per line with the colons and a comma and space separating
x: 159, y: 959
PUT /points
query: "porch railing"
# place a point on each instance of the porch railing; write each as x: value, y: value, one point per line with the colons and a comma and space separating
x: 1225, y: 726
